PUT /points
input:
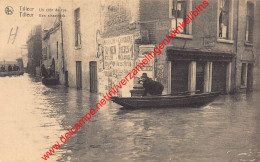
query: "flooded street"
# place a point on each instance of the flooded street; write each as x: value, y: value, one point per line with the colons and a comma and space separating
x: 33, y: 117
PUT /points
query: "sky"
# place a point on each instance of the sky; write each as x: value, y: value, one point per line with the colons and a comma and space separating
x: 11, y: 51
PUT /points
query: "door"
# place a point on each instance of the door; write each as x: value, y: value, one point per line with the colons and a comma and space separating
x: 53, y: 67
x: 78, y: 75
x: 179, y: 76
x: 200, y: 77
x: 93, y: 76
x: 219, y: 71
x: 250, y: 77
x: 66, y: 78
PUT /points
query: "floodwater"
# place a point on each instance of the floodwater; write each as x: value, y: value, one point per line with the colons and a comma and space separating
x: 33, y: 117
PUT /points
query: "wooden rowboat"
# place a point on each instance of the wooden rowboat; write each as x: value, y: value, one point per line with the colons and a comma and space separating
x: 50, y: 81
x: 11, y: 73
x: 166, y: 100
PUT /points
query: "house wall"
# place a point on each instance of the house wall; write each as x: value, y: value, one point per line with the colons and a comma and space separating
x: 88, y: 50
x: 204, y: 37
x: 54, y: 52
x: 257, y: 48
x: 120, y: 40
x: 34, y: 50
x: 246, y: 52
x: 119, y: 17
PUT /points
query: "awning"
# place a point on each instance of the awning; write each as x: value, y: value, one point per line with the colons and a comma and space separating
x: 192, y: 55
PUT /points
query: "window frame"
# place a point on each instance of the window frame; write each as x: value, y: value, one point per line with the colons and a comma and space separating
x: 171, y: 17
x: 253, y: 16
x: 77, y: 28
x: 229, y: 39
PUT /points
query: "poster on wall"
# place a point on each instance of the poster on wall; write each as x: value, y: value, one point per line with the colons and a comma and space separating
x: 149, y: 68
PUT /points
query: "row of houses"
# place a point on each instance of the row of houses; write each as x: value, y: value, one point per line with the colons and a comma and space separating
x: 97, y: 43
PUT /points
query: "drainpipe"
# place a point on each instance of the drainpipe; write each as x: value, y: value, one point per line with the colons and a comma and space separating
x: 62, y: 48
x: 236, y: 88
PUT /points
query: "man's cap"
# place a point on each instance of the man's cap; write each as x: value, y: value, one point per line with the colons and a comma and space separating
x: 144, y: 75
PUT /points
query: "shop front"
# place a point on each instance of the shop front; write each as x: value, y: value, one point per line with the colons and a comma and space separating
x: 199, y: 72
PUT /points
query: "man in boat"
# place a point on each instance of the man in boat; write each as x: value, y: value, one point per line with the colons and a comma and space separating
x: 2, y: 68
x: 10, y: 68
x: 151, y: 87
x: 14, y: 68
x: 51, y: 71
x: 44, y: 71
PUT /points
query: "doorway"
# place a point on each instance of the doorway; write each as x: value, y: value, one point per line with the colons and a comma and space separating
x: 250, y: 77
x: 200, y: 77
x: 93, y: 76
x: 66, y: 78
x: 219, y: 71
x: 179, y: 76
x: 53, y: 71
x: 78, y: 75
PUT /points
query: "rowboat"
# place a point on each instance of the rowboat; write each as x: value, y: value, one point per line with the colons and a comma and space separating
x: 186, y: 100
x: 50, y: 81
x: 10, y: 73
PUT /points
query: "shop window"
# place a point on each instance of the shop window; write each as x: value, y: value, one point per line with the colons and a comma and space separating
x: 249, y: 22
x: 178, y: 12
x: 77, y: 27
x: 243, y: 74
x: 225, y: 19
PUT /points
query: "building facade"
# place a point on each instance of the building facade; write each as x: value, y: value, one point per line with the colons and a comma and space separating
x: 247, y: 44
x: 215, y: 52
x: 34, y: 45
x: 121, y: 38
x: 53, y: 51
x: 72, y: 43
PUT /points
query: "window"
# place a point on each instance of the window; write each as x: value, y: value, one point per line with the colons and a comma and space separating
x: 77, y: 27
x: 49, y: 50
x: 57, y: 50
x: 249, y: 22
x: 244, y: 74
x: 44, y: 52
x: 178, y: 12
x: 225, y: 19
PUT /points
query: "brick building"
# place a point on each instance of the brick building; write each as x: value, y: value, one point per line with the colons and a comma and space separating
x: 215, y: 52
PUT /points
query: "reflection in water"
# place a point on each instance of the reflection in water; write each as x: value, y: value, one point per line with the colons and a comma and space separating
x: 33, y: 117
